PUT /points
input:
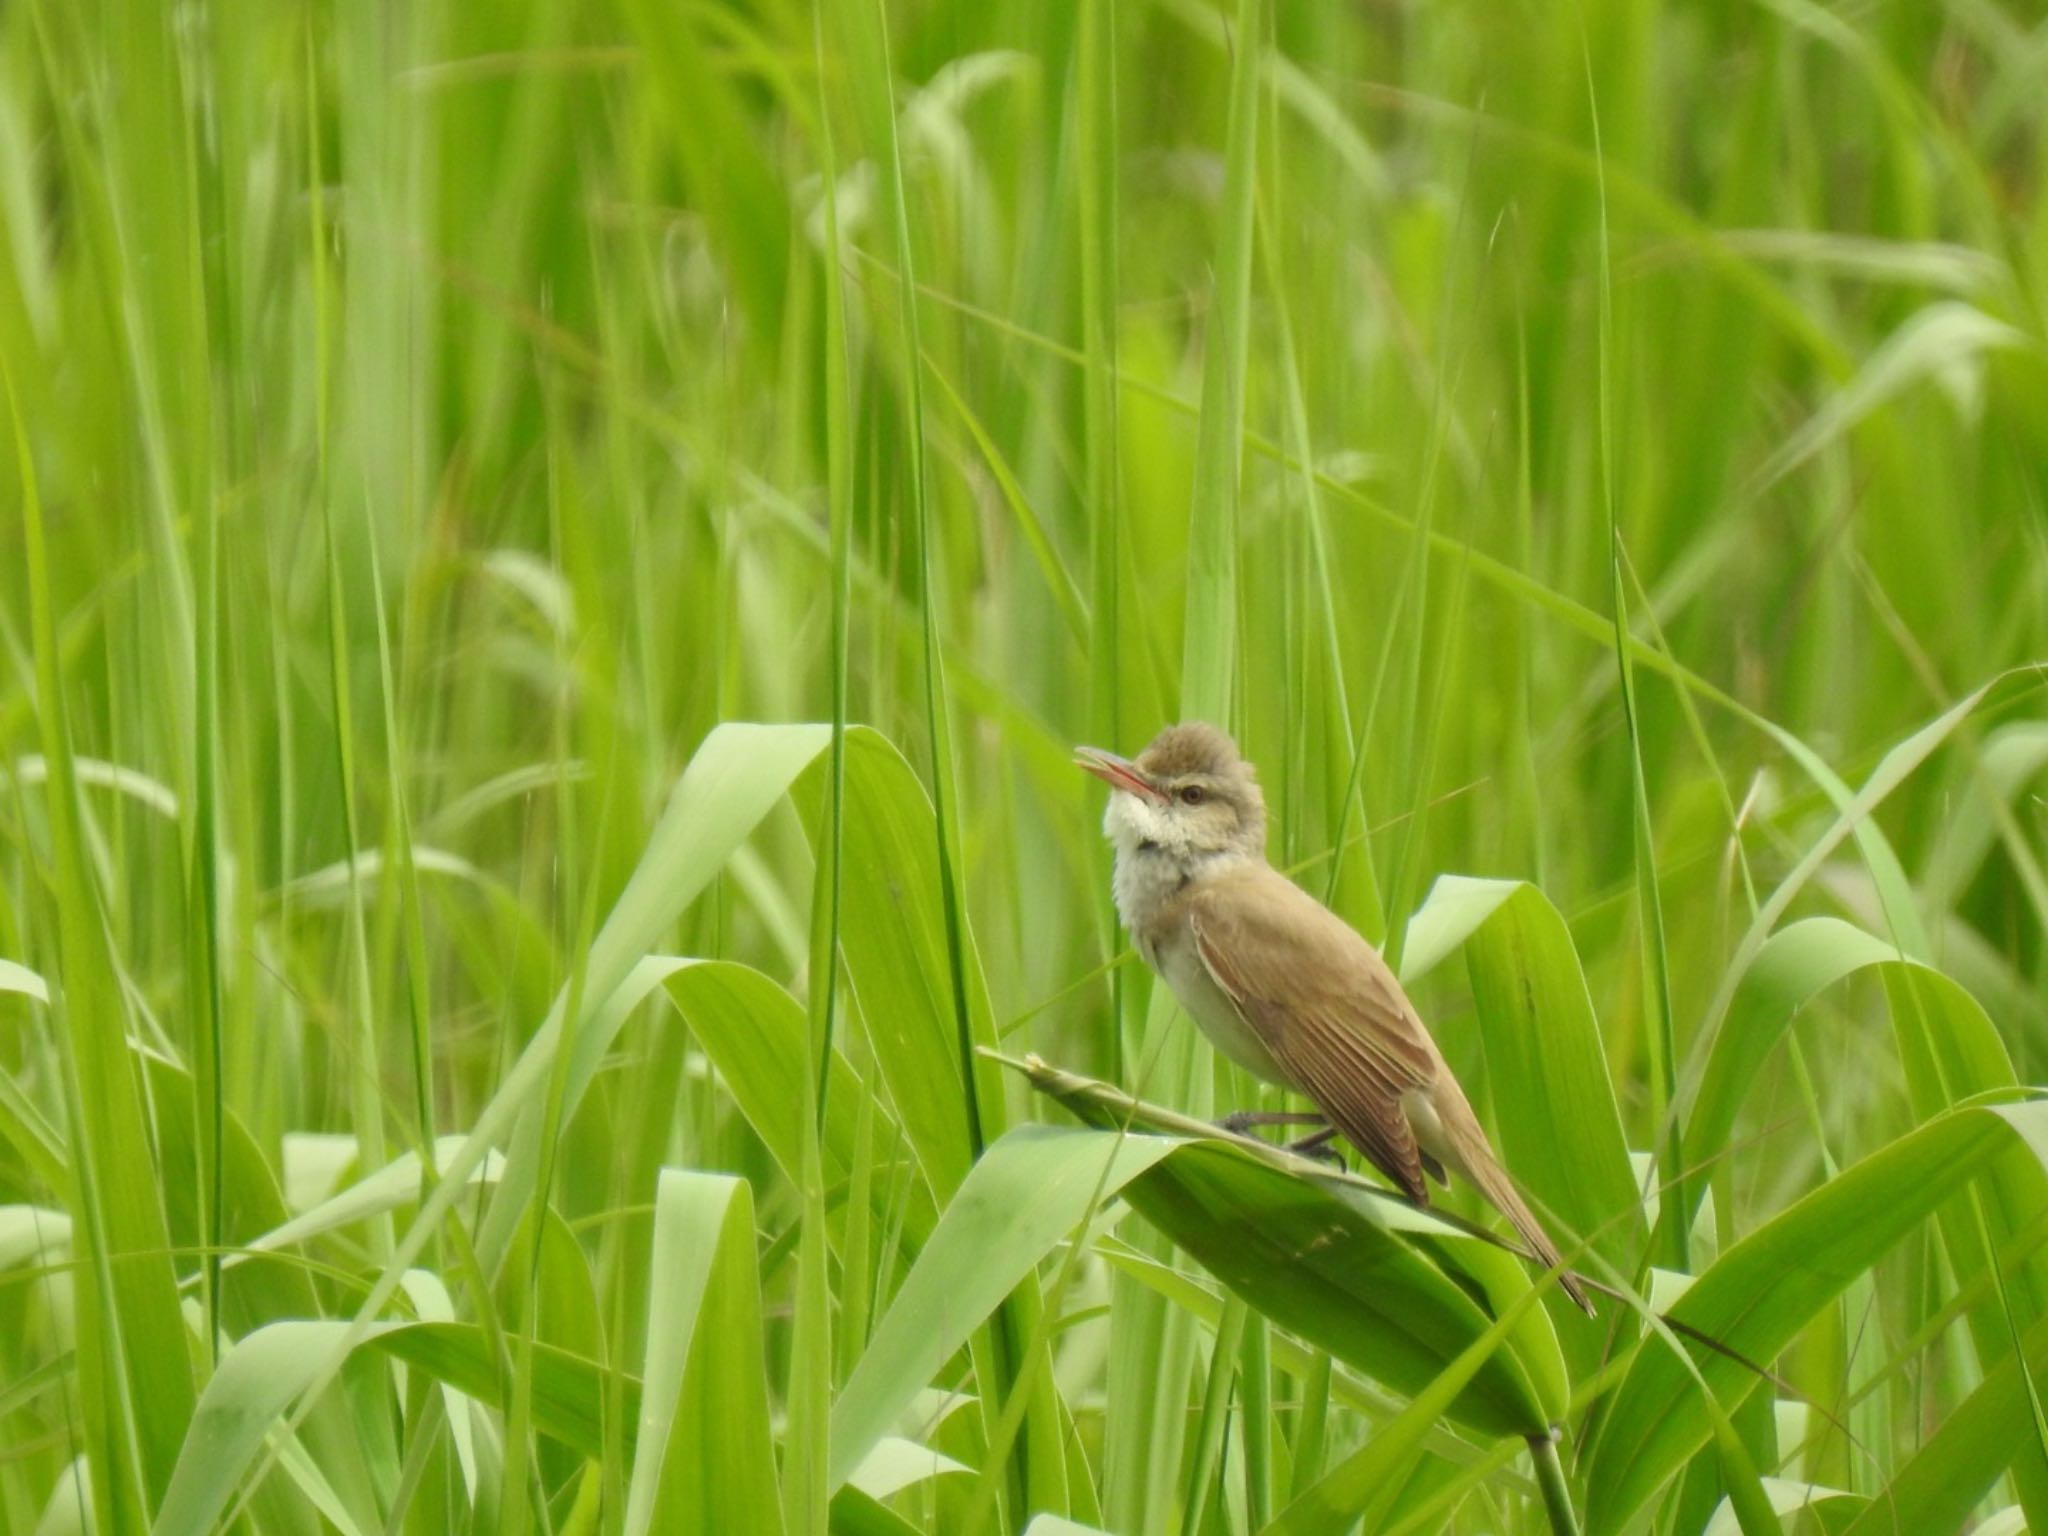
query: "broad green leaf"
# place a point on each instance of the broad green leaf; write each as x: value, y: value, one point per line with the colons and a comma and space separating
x: 1031, y: 1189
x: 1830, y: 1506
x: 28, y: 1233
x: 893, y: 935
x: 1788, y: 971
x: 1392, y: 1291
x: 739, y: 773
x: 1197, y: 1296
x: 1546, y: 1071
x: 1956, y: 1466
x: 755, y: 1034
x: 1380, y: 1467
x: 896, y: 1464
x: 702, y: 1460
x: 264, y: 1374
x: 1761, y: 1292
x: 855, y: 1513
x: 1949, y: 1050
x: 1325, y: 1261
x: 20, y: 979
x: 399, y: 1182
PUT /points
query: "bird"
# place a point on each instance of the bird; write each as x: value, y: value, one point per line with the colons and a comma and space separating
x: 1279, y: 983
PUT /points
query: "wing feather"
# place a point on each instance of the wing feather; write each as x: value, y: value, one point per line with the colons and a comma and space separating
x: 1326, y: 1008
x: 1334, y: 1019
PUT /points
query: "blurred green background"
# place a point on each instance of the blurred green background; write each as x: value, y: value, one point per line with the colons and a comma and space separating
x: 431, y: 420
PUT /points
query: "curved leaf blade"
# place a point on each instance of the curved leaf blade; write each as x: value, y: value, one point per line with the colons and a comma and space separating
x: 1396, y: 1293
x: 1031, y: 1189
x: 1554, y: 1103
x: 703, y: 1460
x: 1758, y: 1295
x: 269, y: 1370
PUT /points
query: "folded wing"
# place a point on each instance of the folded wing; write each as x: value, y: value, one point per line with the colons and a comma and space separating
x: 1326, y: 1008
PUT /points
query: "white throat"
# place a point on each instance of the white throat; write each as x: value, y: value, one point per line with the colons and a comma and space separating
x: 1154, y: 860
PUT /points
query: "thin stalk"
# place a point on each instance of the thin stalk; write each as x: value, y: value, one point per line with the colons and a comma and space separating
x: 1209, y: 662
x: 1255, y: 1419
x: 1097, y: 223
x: 100, y: 1104
x: 1204, y: 1467
x: 806, y: 1493
x: 1557, y: 1494
x: 1312, y: 1427
x: 366, y: 1108
x: 839, y: 498
x: 206, y: 988
x: 873, y: 73
x: 1659, y: 1033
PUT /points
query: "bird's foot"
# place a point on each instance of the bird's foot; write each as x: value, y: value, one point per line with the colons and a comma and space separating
x: 1241, y: 1123
x: 1319, y: 1148
x: 1317, y: 1145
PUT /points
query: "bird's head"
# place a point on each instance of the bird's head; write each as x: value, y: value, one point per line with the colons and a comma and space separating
x: 1188, y: 795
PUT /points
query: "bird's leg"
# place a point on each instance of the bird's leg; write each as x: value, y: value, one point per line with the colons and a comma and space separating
x: 1318, y: 1146
x: 1243, y: 1120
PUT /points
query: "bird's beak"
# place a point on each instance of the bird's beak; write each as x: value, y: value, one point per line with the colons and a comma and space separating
x: 1116, y: 772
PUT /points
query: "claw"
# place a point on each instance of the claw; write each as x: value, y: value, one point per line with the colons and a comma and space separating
x: 1241, y: 1121
x: 1319, y: 1147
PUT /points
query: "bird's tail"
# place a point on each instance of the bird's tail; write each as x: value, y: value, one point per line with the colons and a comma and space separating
x: 1484, y: 1170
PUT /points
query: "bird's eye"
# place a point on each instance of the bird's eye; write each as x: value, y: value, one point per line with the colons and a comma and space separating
x: 1192, y: 794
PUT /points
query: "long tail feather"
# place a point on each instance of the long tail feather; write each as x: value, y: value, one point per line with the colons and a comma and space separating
x: 1477, y: 1162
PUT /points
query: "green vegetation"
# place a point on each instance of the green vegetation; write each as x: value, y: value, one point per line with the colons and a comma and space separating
x: 454, y: 1076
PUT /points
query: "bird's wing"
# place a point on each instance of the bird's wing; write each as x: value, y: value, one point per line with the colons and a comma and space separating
x: 1326, y: 1008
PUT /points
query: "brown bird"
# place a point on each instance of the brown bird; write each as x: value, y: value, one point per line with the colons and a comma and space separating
x: 1277, y: 981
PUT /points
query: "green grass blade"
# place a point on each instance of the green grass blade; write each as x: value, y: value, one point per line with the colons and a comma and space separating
x: 702, y: 1459
x: 1334, y: 1260
x: 1209, y: 662
x: 1031, y: 1190
x: 1368, y: 1475
x: 137, y: 1392
x: 1560, y: 1126
x: 1760, y: 1292
x: 267, y: 1371
x: 1660, y: 1035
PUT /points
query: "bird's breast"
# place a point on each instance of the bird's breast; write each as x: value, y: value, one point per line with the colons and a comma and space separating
x: 1178, y: 962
